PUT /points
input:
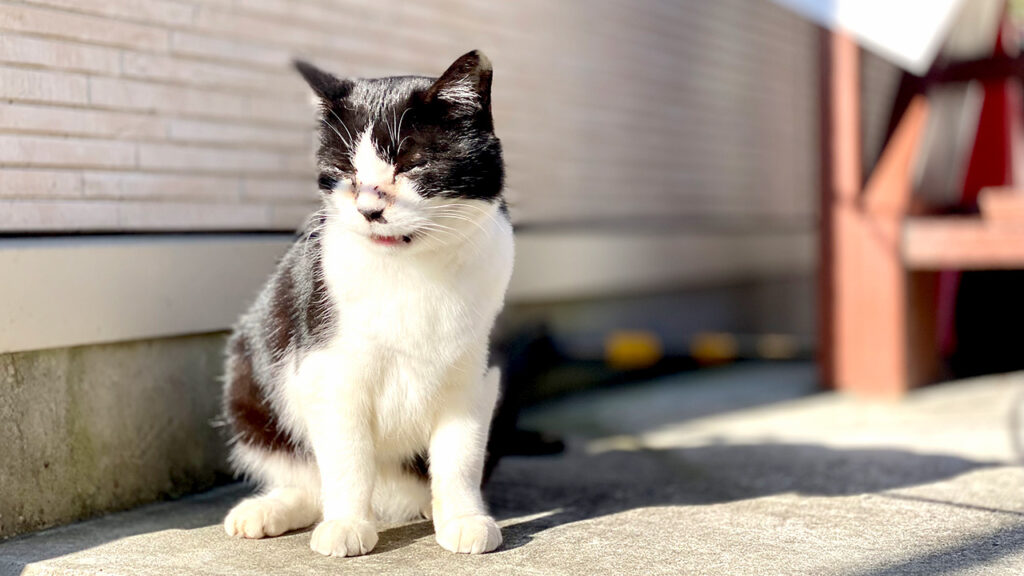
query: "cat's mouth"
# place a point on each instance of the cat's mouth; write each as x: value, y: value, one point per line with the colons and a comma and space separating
x: 382, y: 240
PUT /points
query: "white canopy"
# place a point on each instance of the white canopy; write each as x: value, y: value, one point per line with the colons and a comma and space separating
x: 907, y: 32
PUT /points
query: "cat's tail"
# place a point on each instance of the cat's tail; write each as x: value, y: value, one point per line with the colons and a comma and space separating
x: 491, y: 391
x: 493, y: 376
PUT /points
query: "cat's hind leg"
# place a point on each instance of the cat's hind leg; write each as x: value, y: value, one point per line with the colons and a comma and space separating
x: 289, y: 496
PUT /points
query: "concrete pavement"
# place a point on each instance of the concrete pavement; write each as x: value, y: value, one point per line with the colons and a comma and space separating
x: 733, y: 471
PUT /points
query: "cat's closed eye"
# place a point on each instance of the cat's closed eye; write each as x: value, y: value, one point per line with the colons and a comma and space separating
x: 410, y: 163
x: 329, y: 182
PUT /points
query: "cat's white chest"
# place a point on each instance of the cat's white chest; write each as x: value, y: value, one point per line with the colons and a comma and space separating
x: 406, y: 330
x: 406, y: 316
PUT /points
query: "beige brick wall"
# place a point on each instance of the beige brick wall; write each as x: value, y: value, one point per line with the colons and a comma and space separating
x: 184, y: 114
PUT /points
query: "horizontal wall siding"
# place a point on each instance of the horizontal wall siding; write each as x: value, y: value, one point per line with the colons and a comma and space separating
x: 120, y: 115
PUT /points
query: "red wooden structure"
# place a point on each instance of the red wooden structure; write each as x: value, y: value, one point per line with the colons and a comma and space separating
x: 880, y: 254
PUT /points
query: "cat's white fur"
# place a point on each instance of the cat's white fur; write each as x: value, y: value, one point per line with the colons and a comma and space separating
x: 461, y: 93
x: 405, y: 369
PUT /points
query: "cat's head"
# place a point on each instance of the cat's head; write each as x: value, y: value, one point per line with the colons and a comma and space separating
x: 409, y: 159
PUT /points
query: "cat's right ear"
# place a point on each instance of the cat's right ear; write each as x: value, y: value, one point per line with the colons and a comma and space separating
x: 324, y: 84
x: 466, y: 85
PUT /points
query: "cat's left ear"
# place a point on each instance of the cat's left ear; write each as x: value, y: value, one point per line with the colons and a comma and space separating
x: 466, y: 85
x: 324, y: 84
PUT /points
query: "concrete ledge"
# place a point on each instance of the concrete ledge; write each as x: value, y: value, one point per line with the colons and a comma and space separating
x: 60, y: 292
x: 100, y: 428
x: 77, y: 291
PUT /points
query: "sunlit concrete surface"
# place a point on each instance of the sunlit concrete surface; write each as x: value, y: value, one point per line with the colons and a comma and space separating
x: 740, y: 470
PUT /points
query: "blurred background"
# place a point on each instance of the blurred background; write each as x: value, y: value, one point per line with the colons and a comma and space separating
x: 693, y: 184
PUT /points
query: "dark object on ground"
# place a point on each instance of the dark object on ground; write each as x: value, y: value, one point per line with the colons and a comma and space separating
x: 989, y: 317
x: 524, y: 357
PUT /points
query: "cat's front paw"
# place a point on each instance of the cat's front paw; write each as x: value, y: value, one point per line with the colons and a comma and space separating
x: 469, y: 534
x: 344, y: 538
x: 257, y: 518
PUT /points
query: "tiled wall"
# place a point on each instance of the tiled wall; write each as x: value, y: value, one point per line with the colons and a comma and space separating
x: 184, y: 114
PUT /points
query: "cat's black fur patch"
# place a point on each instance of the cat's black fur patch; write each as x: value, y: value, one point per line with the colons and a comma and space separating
x: 249, y: 412
x: 291, y: 313
x: 282, y: 321
x: 417, y: 466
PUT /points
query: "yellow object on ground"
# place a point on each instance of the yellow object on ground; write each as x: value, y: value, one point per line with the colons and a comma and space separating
x: 777, y: 347
x: 632, y: 350
x: 714, y: 348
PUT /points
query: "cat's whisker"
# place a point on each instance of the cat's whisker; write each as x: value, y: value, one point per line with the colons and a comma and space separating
x: 312, y: 231
x: 324, y: 213
x: 350, y: 140
x: 464, y: 218
x: 450, y: 232
x: 458, y: 234
x: 488, y: 213
x: 470, y: 221
x: 391, y: 133
x: 438, y: 239
x: 401, y: 143
x: 393, y: 129
x: 329, y: 125
x: 465, y: 237
x: 439, y: 229
x: 398, y: 132
x: 453, y: 205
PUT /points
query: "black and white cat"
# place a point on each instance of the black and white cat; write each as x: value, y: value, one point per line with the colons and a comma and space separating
x: 357, y: 386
